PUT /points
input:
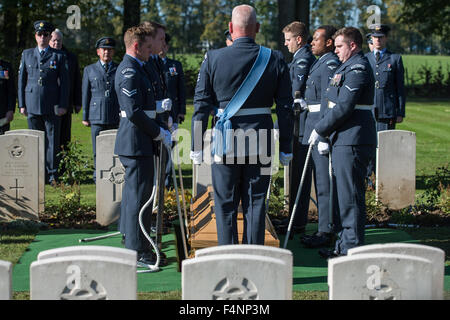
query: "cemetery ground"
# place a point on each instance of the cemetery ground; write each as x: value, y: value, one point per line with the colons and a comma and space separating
x: 430, y: 120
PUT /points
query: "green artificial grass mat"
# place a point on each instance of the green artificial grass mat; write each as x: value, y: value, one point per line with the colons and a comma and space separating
x: 309, y: 273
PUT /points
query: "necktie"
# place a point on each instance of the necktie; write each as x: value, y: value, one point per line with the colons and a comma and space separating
x: 42, y: 53
x: 377, y: 56
x: 105, y: 66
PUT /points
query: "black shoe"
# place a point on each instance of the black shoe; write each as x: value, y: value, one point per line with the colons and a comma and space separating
x: 329, y: 253
x: 145, y: 259
x: 318, y: 240
x: 277, y: 222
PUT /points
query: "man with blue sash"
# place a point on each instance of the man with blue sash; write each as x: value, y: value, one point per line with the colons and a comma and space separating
x: 349, y: 125
x: 244, y: 92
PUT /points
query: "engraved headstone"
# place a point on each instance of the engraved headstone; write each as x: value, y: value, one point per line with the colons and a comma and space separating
x: 41, y: 152
x: 396, y: 168
x: 106, y: 251
x: 19, y: 177
x: 109, y: 182
x: 5, y: 280
x: 111, y: 131
x: 235, y: 277
x: 83, y: 278
x: 435, y: 255
x: 380, y: 276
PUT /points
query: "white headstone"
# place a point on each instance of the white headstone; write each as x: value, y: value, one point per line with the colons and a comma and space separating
x: 235, y: 277
x: 111, y: 131
x: 41, y: 135
x: 380, y: 276
x: 109, y: 182
x: 435, y: 255
x: 105, y: 251
x: 5, y: 280
x: 19, y: 177
x: 201, y: 174
x: 396, y: 168
x: 83, y: 278
x: 259, y: 250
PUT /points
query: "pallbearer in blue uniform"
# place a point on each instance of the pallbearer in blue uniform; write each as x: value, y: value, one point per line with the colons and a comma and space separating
x: 320, y: 74
x: 350, y: 127
x: 176, y: 92
x: 241, y: 172
x: 43, y: 90
x: 101, y: 108
x: 296, y: 35
x: 7, y: 95
x: 135, y: 137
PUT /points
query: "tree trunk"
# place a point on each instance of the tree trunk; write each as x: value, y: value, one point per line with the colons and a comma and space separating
x: 10, y: 30
x: 131, y: 14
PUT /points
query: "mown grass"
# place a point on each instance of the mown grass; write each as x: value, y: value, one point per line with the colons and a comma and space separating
x: 413, y: 63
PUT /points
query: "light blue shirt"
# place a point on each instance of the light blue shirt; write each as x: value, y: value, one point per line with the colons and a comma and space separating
x: 381, y: 52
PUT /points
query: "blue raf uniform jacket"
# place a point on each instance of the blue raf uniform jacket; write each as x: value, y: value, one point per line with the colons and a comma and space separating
x: 299, y: 70
x: 43, y: 82
x: 320, y: 74
x: 137, y: 129
x: 100, y: 105
x: 176, y: 90
x: 7, y: 88
x: 153, y: 67
x: 221, y: 74
x: 389, y: 85
x: 351, y: 89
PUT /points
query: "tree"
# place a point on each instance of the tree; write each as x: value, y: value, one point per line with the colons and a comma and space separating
x: 131, y: 13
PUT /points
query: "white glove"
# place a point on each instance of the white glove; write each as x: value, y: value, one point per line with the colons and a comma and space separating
x: 314, y: 137
x: 163, y: 105
x: 323, y: 148
x: 302, y: 102
x: 276, y: 131
x: 285, y: 158
x: 196, y: 157
x: 165, y: 136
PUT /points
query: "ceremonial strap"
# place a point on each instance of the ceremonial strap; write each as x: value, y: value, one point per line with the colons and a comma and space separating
x: 314, y: 107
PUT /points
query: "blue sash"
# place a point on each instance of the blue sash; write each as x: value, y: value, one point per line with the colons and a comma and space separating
x: 222, y: 138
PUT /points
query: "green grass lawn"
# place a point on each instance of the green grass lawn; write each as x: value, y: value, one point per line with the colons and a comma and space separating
x: 413, y: 63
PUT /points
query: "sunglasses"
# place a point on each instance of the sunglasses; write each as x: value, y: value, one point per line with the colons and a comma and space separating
x: 45, y: 34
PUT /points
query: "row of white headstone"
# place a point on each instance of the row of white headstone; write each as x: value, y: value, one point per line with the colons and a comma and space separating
x: 395, y: 271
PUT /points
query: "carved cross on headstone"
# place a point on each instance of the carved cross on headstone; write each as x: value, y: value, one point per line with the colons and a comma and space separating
x: 115, y: 174
x: 17, y: 190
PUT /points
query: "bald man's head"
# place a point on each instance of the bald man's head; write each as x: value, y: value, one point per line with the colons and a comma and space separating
x: 243, y: 22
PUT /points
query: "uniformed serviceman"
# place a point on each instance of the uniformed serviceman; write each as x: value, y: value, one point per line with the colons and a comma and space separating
x: 389, y: 81
x: 320, y: 74
x: 101, y: 108
x: 296, y: 40
x: 137, y: 131
x: 43, y: 90
x: 237, y: 175
x: 176, y: 91
x: 56, y: 42
x: 350, y: 127
x: 7, y: 95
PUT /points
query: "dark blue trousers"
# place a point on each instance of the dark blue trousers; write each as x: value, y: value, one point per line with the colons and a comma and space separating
x: 136, y: 191
x: 322, y: 187
x: 50, y: 124
x: 350, y: 168
x: 234, y: 183
x: 95, y: 131
x: 296, y: 169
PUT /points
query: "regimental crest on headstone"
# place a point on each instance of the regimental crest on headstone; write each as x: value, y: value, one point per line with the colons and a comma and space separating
x: 235, y: 287
x: 16, y: 150
x: 379, y: 285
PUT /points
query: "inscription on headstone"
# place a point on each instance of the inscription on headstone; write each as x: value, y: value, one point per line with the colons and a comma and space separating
x: 19, y: 177
x: 109, y: 182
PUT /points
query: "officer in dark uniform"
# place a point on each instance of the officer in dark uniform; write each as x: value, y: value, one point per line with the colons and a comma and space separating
x: 236, y: 178
x: 137, y: 130
x: 320, y: 74
x: 176, y: 91
x: 296, y: 39
x: 101, y: 108
x: 389, y: 81
x: 44, y: 91
x: 350, y: 127
x: 56, y: 42
x: 7, y: 95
